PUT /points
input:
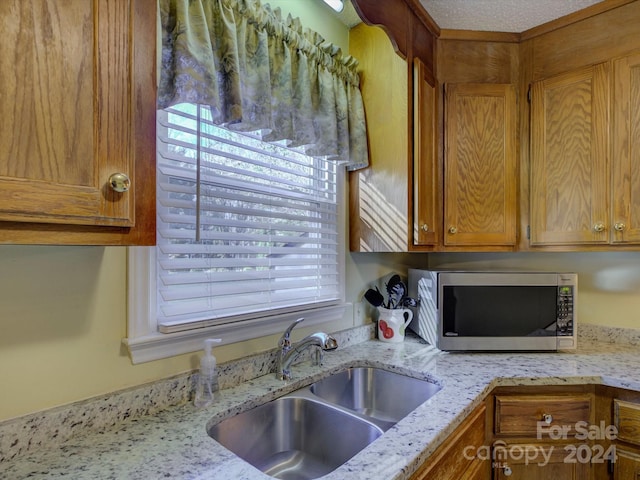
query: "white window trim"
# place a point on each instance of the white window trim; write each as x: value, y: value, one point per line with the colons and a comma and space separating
x: 146, y: 344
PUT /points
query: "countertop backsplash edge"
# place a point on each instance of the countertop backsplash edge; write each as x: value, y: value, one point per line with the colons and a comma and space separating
x: 53, y: 426
x: 600, y: 333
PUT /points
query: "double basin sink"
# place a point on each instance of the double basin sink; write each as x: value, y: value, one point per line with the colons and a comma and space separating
x: 315, y: 429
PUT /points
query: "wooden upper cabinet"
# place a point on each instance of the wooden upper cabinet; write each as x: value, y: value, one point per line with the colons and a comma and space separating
x: 570, y: 158
x: 625, y: 161
x: 480, y: 165
x: 426, y: 205
x: 78, y: 105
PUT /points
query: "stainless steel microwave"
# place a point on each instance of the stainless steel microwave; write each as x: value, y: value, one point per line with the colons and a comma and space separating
x: 495, y: 311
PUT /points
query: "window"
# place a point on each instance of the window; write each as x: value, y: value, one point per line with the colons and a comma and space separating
x: 250, y: 236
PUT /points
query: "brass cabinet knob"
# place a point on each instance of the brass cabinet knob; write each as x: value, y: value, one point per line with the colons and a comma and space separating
x: 598, y: 227
x: 120, y: 182
x: 453, y: 230
x: 424, y: 227
x: 619, y: 227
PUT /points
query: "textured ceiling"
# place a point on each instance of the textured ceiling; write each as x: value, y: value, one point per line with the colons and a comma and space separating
x: 500, y: 15
x: 490, y: 15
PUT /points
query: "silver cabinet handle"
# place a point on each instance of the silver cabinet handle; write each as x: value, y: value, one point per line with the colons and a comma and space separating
x: 507, y: 471
x: 120, y: 182
x: 547, y: 418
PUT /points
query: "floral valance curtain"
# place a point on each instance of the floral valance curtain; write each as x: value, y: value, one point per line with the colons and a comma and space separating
x: 260, y: 72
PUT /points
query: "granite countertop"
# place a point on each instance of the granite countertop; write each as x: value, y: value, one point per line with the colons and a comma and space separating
x: 174, y: 443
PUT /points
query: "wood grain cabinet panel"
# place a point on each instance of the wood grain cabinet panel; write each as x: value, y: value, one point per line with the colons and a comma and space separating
x: 427, y: 190
x: 625, y: 161
x: 626, y: 418
x: 569, y: 158
x: 585, y: 185
x: 536, y: 436
x: 78, y: 105
x: 480, y: 179
x: 627, y: 466
x: 536, y: 465
x: 522, y: 415
x: 457, y: 456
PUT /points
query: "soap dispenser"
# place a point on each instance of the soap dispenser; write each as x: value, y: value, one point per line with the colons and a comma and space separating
x: 208, y: 375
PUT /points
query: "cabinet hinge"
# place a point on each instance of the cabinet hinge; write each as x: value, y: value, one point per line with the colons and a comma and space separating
x: 528, y: 232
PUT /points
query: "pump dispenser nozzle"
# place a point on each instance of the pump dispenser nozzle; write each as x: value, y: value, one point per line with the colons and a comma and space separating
x: 208, y: 376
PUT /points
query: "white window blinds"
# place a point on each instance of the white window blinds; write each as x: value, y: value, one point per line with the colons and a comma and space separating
x: 244, y: 226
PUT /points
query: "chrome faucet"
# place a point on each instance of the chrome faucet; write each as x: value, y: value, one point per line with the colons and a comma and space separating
x: 288, y: 352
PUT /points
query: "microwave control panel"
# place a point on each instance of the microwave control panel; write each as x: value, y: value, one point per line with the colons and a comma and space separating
x: 565, y: 310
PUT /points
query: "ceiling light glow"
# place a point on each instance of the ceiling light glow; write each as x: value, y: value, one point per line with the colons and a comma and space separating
x: 337, y: 5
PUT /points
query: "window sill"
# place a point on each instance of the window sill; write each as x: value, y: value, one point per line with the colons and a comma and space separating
x: 156, y: 346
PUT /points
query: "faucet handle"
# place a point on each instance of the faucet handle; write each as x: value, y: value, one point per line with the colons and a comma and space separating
x: 284, y: 340
x: 319, y: 356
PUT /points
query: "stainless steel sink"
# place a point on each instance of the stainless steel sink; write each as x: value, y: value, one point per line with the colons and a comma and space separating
x: 295, y: 438
x: 374, y: 392
x: 315, y: 429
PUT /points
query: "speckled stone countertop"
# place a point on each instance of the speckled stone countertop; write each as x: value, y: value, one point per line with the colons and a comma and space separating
x: 173, y: 443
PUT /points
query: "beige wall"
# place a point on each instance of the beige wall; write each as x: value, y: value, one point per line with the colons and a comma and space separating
x: 63, y: 314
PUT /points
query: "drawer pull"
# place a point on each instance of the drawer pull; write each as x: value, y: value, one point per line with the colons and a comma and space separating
x: 506, y: 470
x: 547, y: 418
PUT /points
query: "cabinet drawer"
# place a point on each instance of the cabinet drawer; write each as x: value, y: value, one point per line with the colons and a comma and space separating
x: 626, y: 418
x: 522, y: 415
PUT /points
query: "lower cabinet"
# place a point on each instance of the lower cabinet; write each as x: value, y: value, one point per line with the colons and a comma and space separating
x: 459, y: 457
x: 574, y: 432
x: 536, y: 461
x: 539, y: 433
x: 627, y: 466
x: 626, y: 420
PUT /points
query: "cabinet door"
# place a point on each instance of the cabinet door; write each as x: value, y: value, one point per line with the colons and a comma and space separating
x: 66, y: 107
x: 78, y: 83
x: 569, y: 158
x: 627, y: 465
x: 625, y: 161
x: 425, y: 173
x: 459, y: 456
x: 480, y: 165
x: 537, y: 461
